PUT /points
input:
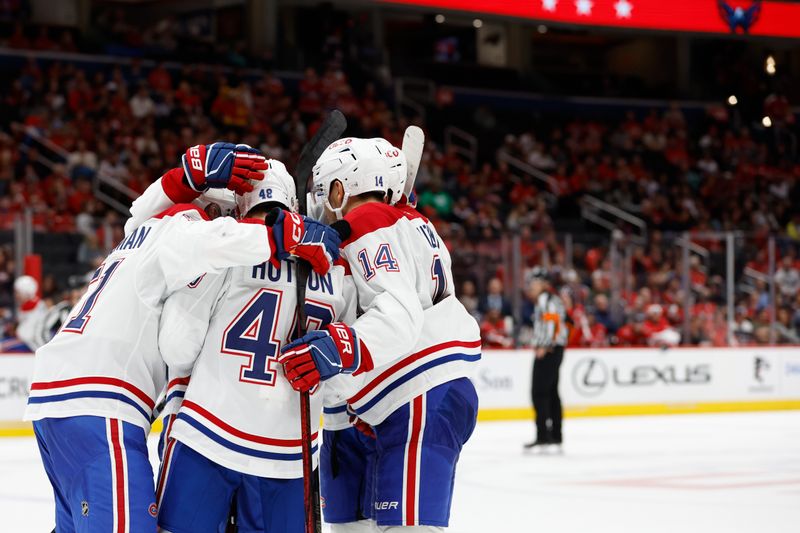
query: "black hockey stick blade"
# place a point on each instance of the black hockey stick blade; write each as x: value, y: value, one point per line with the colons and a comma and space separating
x: 330, y: 131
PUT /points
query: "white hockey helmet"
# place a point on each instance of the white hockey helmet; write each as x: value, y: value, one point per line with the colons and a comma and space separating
x: 26, y: 287
x: 277, y: 186
x: 361, y: 165
x: 224, y: 198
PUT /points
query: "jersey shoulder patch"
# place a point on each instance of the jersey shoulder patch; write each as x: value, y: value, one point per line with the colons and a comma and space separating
x: 374, y: 216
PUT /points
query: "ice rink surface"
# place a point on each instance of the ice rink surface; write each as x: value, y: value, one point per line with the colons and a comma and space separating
x: 682, y: 473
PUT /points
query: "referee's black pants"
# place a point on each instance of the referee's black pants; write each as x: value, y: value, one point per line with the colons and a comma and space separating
x: 544, y: 392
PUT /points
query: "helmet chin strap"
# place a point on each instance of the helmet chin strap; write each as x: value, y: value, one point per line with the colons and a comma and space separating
x: 337, y: 211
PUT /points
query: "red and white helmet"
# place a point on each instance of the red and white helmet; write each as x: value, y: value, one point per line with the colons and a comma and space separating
x: 361, y: 165
x: 277, y: 186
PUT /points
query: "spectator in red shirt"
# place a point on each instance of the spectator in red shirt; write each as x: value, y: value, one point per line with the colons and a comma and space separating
x: 494, y: 330
x: 657, y: 330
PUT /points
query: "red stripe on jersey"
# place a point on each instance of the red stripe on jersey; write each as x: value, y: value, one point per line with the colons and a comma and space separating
x: 178, y: 381
x: 369, y: 387
x: 165, y: 463
x: 412, y: 478
x: 180, y: 208
x: 176, y: 189
x: 119, y: 470
x: 95, y: 380
x: 239, y: 433
x: 373, y: 216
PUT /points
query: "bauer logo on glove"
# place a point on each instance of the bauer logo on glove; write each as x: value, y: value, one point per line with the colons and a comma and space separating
x: 322, y: 354
x: 223, y: 165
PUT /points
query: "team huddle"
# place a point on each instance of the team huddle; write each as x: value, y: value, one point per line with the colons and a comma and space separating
x: 193, y: 318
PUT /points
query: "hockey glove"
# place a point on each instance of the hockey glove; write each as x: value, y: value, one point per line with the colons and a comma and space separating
x: 293, y: 234
x: 362, y: 427
x: 322, y: 354
x: 223, y: 165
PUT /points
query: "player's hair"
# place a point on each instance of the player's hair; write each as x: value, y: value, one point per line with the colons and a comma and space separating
x: 264, y: 208
x: 372, y: 195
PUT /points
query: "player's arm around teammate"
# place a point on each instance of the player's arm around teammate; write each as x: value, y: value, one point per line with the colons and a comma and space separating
x: 236, y: 435
x: 94, y: 386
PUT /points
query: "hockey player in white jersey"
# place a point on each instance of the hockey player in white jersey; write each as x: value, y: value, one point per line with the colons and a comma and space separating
x: 237, y: 431
x: 414, y: 341
x: 94, y: 385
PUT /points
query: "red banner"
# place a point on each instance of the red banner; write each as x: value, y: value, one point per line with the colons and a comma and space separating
x: 766, y: 18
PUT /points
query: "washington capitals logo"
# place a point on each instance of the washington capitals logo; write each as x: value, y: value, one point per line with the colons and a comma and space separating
x: 740, y: 17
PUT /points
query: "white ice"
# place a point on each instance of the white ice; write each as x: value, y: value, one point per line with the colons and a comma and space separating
x: 677, y: 474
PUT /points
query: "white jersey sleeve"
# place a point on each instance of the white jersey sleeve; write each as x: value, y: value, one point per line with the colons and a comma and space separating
x: 182, y: 331
x: 185, y: 318
x: 162, y: 194
x: 105, y: 360
x: 194, y: 245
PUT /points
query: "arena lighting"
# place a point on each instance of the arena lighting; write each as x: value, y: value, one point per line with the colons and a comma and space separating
x: 477, y: 23
x: 770, y: 66
x: 439, y: 19
x: 766, y: 122
x: 541, y: 28
x: 732, y: 100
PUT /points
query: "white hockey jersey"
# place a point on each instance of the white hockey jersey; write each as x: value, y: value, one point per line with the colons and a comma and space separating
x: 227, y: 330
x: 105, y: 360
x: 419, y: 335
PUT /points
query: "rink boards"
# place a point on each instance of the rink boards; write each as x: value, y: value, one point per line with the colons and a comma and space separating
x: 631, y: 381
x: 594, y: 382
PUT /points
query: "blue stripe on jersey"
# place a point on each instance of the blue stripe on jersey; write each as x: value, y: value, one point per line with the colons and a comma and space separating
x: 419, y: 370
x: 334, y: 410
x: 238, y: 448
x: 90, y: 394
x: 175, y: 394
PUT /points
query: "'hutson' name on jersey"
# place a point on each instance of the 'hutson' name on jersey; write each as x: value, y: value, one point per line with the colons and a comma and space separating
x: 316, y: 282
x: 134, y: 240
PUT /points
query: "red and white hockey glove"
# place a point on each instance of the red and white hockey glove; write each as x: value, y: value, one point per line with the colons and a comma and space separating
x: 293, y: 234
x: 223, y: 165
x: 322, y: 354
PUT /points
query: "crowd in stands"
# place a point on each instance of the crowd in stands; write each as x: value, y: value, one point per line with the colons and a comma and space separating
x: 716, y: 171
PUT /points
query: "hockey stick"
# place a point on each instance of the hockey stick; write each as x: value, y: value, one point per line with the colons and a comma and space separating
x: 413, y: 144
x: 330, y: 131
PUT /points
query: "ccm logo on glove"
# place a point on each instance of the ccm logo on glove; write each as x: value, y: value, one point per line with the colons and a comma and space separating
x: 297, y: 230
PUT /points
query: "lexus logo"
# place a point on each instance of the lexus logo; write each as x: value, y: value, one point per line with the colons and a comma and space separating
x: 590, y: 376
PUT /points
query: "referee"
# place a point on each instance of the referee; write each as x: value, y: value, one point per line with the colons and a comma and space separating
x: 550, y: 334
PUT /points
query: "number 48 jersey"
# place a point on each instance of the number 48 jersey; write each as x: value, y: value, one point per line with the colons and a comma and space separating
x: 226, y: 330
